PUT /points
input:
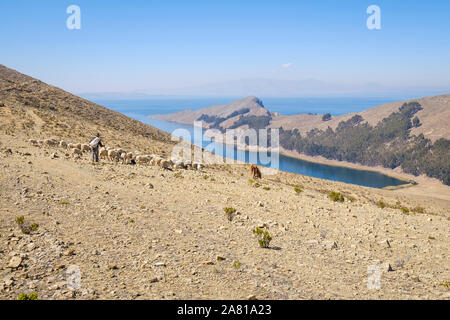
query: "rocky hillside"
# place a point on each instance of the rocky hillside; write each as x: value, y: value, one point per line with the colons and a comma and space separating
x: 70, y: 229
x: 221, y: 116
x: 434, y: 116
x: 39, y: 110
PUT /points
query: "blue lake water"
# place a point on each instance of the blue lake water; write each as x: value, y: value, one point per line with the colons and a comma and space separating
x: 141, y: 109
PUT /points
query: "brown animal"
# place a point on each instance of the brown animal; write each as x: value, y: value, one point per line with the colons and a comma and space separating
x: 254, y: 170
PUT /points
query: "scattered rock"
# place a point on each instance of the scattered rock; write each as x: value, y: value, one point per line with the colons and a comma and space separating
x: 113, y: 266
x: 159, y: 264
x: 15, y: 262
x: 154, y: 280
x: 69, y: 252
x: 330, y: 245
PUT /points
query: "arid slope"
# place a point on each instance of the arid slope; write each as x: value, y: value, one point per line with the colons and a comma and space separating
x: 144, y: 232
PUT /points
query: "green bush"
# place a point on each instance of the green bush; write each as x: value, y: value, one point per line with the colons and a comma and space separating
x: 229, y: 211
x: 20, y: 220
x: 404, y: 210
x: 24, y: 296
x: 418, y: 210
x: 381, y: 204
x: 266, y: 188
x: 326, y: 117
x: 298, y: 190
x: 264, y: 237
x: 336, y: 196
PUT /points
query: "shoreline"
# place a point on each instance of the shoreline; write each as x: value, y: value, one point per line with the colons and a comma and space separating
x: 430, y: 187
x: 418, y: 186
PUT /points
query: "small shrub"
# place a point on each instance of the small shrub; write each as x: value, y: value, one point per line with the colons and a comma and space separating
x: 178, y: 175
x: 446, y: 284
x: 381, y: 204
x: 63, y: 202
x: 264, y: 237
x: 257, y: 185
x: 298, y: 190
x: 20, y: 220
x: 34, y: 227
x: 418, y: 210
x: 205, y: 177
x: 24, y: 296
x: 326, y: 117
x: 142, y: 207
x: 266, y: 188
x: 229, y: 212
x: 336, y: 196
x: 251, y: 181
x: 404, y: 210
x: 236, y: 265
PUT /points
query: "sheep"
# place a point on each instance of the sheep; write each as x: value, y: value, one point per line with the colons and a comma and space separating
x: 77, y: 146
x: 179, y: 164
x: 77, y: 152
x: 103, y: 153
x: 188, y: 164
x: 34, y: 142
x: 156, y: 160
x: 197, y: 166
x: 142, y: 159
x: 113, y: 155
x: 123, y: 157
x: 165, y: 163
x: 51, y: 142
x: 70, y: 146
x: 85, y: 148
x: 63, y: 144
x: 130, y: 156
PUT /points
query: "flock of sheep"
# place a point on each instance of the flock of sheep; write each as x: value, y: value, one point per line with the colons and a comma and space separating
x: 117, y: 155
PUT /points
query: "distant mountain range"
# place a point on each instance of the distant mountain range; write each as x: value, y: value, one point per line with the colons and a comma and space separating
x: 274, y: 88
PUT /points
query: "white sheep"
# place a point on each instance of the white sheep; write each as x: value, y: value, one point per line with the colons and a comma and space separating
x: 165, y: 163
x: 179, y: 164
x: 77, y: 152
x: 51, y: 142
x: 113, y: 155
x: 63, y: 144
x: 142, y: 159
x: 85, y: 148
x: 197, y: 166
x: 77, y: 146
x: 130, y: 156
x: 103, y: 153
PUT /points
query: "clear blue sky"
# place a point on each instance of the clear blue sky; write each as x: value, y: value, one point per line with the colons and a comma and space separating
x: 143, y: 45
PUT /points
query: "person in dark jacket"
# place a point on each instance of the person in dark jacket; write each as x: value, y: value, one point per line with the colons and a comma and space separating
x: 95, y: 144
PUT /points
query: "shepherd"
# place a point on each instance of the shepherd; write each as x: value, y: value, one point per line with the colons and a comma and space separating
x: 95, y: 145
